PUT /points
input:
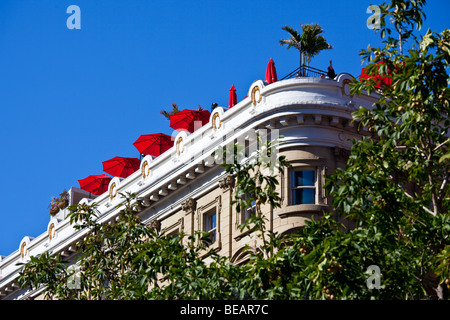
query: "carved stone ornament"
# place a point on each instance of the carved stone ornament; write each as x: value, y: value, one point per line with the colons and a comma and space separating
x: 227, y: 182
x: 216, y: 122
x: 345, y: 87
x: 23, y: 249
x: 113, y: 191
x: 256, y: 95
x: 145, y: 169
x: 51, y: 232
x: 155, y: 224
x: 180, y: 146
x: 189, y: 205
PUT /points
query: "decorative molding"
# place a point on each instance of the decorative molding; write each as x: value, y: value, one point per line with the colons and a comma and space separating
x: 112, y: 190
x: 145, y: 166
x: 216, y: 122
x: 180, y: 143
x: 177, y: 226
x: 51, y: 228
x: 189, y: 205
x: 145, y: 170
x: 288, y: 103
x: 256, y: 95
x: 51, y: 231
x: 227, y: 182
x: 301, y: 209
x: 346, y: 88
x: 180, y: 146
x: 24, y: 245
x: 155, y: 224
x: 23, y: 249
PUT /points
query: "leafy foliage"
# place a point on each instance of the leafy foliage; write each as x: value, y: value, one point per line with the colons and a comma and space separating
x: 394, y: 189
x: 395, y: 186
x: 167, y: 114
x: 127, y: 259
x: 309, y: 42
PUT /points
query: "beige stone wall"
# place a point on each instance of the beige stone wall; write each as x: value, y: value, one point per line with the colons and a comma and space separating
x: 287, y: 219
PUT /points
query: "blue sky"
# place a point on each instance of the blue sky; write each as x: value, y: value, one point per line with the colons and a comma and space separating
x: 71, y: 99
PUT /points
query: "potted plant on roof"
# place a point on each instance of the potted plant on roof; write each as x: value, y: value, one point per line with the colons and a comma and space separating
x: 53, y: 206
x: 309, y: 43
x: 174, y: 110
x: 59, y: 203
x: 63, y: 200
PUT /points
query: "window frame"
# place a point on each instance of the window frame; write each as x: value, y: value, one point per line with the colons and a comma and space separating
x: 214, y: 205
x: 247, y: 212
x: 210, y: 225
x: 314, y: 187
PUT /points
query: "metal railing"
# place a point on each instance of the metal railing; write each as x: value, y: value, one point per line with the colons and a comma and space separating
x: 305, y: 71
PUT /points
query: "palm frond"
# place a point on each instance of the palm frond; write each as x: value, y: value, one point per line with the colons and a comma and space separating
x: 309, y: 43
x: 294, y: 33
x: 167, y: 114
x: 290, y: 43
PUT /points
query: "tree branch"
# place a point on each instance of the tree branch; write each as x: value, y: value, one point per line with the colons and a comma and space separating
x: 441, y: 145
x: 423, y: 207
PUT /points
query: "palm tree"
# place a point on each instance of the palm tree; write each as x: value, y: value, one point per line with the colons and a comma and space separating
x: 295, y: 41
x: 314, y: 42
x: 309, y: 43
x: 174, y: 110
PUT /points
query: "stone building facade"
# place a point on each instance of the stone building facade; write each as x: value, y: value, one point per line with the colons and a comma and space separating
x: 186, y: 189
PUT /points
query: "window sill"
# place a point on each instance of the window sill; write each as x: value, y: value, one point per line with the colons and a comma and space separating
x: 301, y: 208
x: 216, y: 246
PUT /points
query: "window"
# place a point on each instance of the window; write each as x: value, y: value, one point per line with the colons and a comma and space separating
x: 249, y: 211
x: 173, y: 234
x: 207, y: 219
x: 211, y: 224
x: 303, y: 187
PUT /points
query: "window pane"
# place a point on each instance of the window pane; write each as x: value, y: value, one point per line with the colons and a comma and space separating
x: 210, y: 225
x: 213, y: 236
x: 210, y: 222
x: 303, y: 196
x: 303, y: 178
x: 246, y: 215
x: 213, y: 221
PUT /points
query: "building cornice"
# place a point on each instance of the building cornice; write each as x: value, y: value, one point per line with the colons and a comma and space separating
x: 306, y: 111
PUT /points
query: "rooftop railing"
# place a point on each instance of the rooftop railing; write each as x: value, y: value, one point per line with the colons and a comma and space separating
x: 305, y: 71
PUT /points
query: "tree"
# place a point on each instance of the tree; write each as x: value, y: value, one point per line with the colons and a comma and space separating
x: 314, y: 42
x: 395, y: 187
x: 127, y: 259
x: 309, y: 43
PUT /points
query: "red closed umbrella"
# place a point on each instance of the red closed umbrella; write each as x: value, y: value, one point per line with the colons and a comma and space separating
x: 153, y: 144
x: 232, y: 99
x: 189, y: 120
x: 96, y: 184
x: 271, y: 72
x: 121, y: 166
